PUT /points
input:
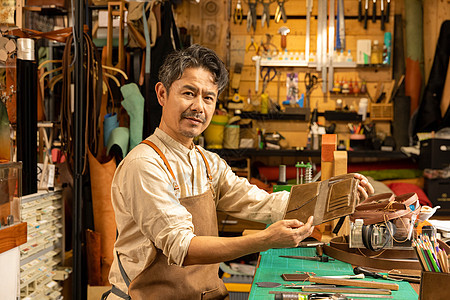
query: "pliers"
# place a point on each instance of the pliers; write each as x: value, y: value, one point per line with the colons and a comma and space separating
x: 251, y: 15
x: 237, y: 15
x: 280, y: 13
x: 251, y: 45
x: 265, y: 17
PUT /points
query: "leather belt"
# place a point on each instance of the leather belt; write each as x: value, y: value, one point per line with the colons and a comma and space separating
x: 387, y: 260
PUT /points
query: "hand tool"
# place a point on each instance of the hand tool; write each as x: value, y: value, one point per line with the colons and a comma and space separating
x: 284, y: 32
x: 366, y: 12
x: 237, y: 15
x: 308, y: 28
x: 331, y: 19
x: 252, y: 45
x: 382, y: 15
x: 359, y: 11
x: 280, y: 13
x: 310, y: 82
x: 347, y: 290
x: 269, y: 75
x: 251, y: 15
x: 314, y: 258
x: 352, y: 282
x: 374, y: 11
x: 265, y: 17
x: 340, y: 41
x: 388, y: 10
x: 359, y: 270
x: 322, y: 42
x: 309, y: 244
x: 359, y: 276
x: 257, y: 60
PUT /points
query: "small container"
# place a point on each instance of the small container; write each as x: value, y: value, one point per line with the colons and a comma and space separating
x: 357, y: 141
x: 376, y: 56
x: 362, y: 108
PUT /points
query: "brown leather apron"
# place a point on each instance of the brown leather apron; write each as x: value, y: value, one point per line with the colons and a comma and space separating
x: 162, y: 281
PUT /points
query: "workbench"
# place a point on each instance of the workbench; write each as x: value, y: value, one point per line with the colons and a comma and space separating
x: 271, y: 266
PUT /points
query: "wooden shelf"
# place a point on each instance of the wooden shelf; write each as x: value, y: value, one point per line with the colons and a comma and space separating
x: 13, y: 236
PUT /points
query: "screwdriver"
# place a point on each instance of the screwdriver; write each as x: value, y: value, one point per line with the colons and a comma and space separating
x: 359, y: 270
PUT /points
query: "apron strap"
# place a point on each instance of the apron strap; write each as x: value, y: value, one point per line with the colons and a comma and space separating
x: 174, y: 183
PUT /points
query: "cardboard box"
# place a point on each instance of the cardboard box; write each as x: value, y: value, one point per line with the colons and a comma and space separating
x: 363, y: 51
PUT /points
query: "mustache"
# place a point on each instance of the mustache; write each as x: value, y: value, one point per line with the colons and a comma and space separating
x: 188, y: 114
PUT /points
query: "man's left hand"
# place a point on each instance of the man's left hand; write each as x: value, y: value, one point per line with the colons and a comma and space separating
x: 365, y: 188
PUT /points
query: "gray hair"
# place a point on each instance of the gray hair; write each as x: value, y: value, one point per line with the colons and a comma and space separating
x: 195, y: 56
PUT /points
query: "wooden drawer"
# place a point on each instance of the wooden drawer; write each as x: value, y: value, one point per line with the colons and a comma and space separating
x: 230, y: 224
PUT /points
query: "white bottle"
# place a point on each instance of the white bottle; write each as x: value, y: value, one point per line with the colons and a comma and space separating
x: 362, y: 109
x: 349, y: 57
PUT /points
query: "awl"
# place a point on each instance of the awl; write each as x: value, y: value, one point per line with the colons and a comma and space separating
x: 314, y: 258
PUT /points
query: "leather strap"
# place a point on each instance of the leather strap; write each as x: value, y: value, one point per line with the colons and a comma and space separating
x: 380, y: 262
x: 163, y: 157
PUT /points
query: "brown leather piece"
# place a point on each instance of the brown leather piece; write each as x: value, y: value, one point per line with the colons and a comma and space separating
x: 104, y: 218
x: 326, y: 200
x: 93, y: 245
x: 432, y: 286
x: 385, y: 207
x: 378, y: 262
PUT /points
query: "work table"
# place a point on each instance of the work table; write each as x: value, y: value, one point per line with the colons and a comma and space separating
x: 270, y: 268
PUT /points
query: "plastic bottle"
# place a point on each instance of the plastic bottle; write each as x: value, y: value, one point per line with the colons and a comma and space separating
x: 349, y: 57
x: 387, y: 48
x: 376, y: 56
x: 362, y: 109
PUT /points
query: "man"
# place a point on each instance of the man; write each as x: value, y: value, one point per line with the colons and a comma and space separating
x: 166, y: 192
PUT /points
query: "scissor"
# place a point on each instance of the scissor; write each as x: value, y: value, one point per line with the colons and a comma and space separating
x: 270, y: 73
x: 251, y: 15
x: 237, y: 16
x: 310, y: 81
x: 280, y: 13
x: 265, y: 17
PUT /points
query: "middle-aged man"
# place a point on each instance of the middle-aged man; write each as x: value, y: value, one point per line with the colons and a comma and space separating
x: 166, y: 193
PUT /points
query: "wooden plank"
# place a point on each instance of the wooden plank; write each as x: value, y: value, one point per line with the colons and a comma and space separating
x: 354, y: 282
x: 346, y: 290
x: 13, y: 236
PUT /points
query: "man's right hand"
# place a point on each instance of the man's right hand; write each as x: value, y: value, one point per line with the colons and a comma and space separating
x: 287, y: 233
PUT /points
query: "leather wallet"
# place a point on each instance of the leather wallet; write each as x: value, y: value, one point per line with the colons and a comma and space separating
x: 325, y: 200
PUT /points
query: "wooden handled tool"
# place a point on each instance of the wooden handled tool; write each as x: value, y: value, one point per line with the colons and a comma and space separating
x: 357, y: 282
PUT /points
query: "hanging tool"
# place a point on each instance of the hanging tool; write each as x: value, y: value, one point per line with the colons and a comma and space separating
x: 314, y: 258
x: 251, y: 15
x: 374, y: 11
x: 388, y: 11
x: 330, y: 46
x: 359, y: 11
x: 359, y: 270
x: 237, y: 15
x: 257, y: 60
x: 265, y: 17
x: 382, y: 15
x: 340, y: 30
x: 280, y: 13
x: 252, y: 45
x: 308, y: 28
x: 284, y: 32
x: 322, y: 42
x: 270, y: 73
x: 366, y: 13
x: 310, y: 82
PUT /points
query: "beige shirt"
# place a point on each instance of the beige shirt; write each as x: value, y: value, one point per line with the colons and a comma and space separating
x: 148, y: 212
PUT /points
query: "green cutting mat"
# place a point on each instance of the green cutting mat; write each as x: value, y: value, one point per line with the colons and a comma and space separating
x: 271, y: 266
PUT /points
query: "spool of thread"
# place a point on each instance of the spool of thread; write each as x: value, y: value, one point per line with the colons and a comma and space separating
x: 282, y: 174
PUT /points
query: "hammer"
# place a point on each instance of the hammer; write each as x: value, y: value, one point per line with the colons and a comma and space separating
x: 283, y: 31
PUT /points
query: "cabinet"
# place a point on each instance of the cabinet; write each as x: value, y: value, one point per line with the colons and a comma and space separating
x: 42, y: 256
